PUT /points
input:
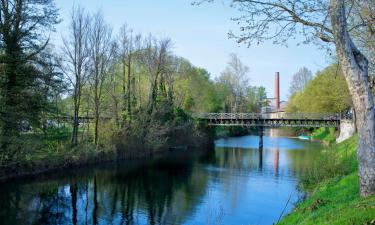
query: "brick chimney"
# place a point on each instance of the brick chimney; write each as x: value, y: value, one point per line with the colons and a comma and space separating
x: 277, y: 91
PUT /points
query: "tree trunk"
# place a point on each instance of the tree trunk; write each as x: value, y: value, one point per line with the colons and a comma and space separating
x: 124, y: 92
x: 75, y: 116
x: 129, y: 86
x: 354, y: 66
x: 97, y: 115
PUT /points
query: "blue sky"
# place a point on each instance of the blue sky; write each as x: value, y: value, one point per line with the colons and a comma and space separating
x: 199, y: 33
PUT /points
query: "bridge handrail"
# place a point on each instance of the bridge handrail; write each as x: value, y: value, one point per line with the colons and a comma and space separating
x: 220, y: 116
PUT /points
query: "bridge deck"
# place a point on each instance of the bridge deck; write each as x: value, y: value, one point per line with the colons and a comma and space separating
x: 270, y: 119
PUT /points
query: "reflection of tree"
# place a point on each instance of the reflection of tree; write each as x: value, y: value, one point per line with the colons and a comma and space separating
x: 73, y: 194
x: 236, y: 158
x: 301, y: 161
x: 95, y: 210
x: 166, y: 192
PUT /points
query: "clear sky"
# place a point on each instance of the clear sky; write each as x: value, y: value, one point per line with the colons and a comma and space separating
x: 199, y: 34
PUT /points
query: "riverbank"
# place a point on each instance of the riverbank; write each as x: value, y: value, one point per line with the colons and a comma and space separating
x: 47, y: 159
x: 333, y: 191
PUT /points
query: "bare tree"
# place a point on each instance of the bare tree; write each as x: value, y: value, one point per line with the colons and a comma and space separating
x: 235, y: 78
x: 101, y: 54
x: 300, y: 80
x: 327, y: 21
x: 75, y: 60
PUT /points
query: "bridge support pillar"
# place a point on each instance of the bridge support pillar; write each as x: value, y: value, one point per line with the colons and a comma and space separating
x: 261, y: 128
x: 260, y: 159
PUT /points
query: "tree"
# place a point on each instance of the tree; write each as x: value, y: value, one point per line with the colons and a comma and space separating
x: 101, y: 54
x: 52, y: 84
x: 156, y: 57
x: 75, y: 60
x: 364, y: 36
x: 355, y: 68
x: 327, y: 21
x: 234, y: 78
x: 256, y: 99
x: 300, y: 80
x: 129, y: 45
x: 194, y: 91
x: 24, y: 29
x: 326, y: 93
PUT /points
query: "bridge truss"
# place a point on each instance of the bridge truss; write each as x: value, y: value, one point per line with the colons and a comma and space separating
x: 270, y: 119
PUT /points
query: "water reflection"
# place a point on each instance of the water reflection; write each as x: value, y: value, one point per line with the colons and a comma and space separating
x: 260, y: 161
x: 235, y: 184
x: 276, y: 161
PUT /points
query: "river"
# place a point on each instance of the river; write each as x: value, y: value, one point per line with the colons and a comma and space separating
x: 233, y: 184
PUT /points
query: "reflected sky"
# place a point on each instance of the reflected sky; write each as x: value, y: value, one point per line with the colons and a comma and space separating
x: 234, y: 184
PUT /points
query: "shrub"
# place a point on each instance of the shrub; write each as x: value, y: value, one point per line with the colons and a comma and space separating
x: 335, y: 161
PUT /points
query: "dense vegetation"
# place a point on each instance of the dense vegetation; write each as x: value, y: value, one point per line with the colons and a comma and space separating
x: 100, y: 95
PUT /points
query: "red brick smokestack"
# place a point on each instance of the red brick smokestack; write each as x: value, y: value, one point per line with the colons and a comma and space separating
x: 277, y: 91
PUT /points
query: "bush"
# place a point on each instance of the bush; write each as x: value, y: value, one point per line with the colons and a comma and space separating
x: 325, y: 134
x: 335, y: 161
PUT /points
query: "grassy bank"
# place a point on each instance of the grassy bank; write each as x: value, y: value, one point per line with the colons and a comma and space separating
x: 333, y: 190
x: 326, y: 135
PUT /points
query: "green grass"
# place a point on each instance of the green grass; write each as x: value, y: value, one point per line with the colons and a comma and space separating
x: 336, y: 201
x: 334, y: 198
x: 324, y: 134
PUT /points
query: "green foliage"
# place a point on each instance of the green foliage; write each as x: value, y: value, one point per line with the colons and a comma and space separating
x: 194, y: 91
x: 335, y: 160
x: 326, y: 93
x: 256, y: 99
x: 144, y: 95
x: 325, y: 134
x: 26, y: 74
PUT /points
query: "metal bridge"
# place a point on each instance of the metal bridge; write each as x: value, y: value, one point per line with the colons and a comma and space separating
x: 279, y: 119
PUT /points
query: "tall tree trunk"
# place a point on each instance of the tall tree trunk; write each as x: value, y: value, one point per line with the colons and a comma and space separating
x: 124, y: 92
x: 96, y: 134
x: 77, y: 97
x: 129, y: 86
x: 354, y: 66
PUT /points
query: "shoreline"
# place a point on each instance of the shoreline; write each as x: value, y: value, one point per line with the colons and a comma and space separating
x: 101, y: 158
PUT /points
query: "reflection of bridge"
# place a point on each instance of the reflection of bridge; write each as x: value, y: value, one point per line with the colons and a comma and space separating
x: 271, y: 119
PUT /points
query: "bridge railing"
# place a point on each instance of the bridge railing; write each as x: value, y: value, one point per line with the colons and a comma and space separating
x: 281, y: 115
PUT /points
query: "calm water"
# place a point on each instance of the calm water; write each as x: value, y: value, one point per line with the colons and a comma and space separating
x: 233, y: 184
